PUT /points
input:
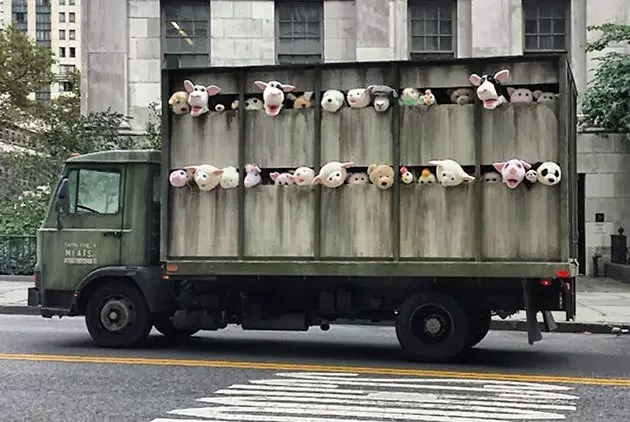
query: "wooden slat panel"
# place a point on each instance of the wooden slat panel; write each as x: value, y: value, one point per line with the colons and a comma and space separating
x: 346, y: 79
x: 203, y: 223
x: 437, y: 222
x: 282, y: 141
x: 435, y: 133
x: 356, y: 222
x: 225, y: 81
x: 303, y: 80
x: 279, y: 221
x: 363, y: 136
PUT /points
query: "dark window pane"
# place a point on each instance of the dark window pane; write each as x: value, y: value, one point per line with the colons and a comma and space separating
x: 545, y: 12
x: 546, y: 42
x: 559, y: 42
x: 544, y: 26
x: 311, y: 13
x: 529, y: 12
x: 446, y: 43
x: 299, y: 29
x: 417, y: 44
x: 445, y: 12
x: 202, y: 12
x: 285, y: 12
x: 430, y: 12
x: 312, y: 30
x: 531, y: 26
x: 284, y: 29
x: 431, y: 43
x: 416, y: 12
x: 285, y: 45
x: 197, y: 60
x: 172, y: 44
x: 186, y: 12
x: 531, y: 42
x: 417, y: 28
x: 557, y: 11
x: 559, y: 26
x: 446, y: 28
x: 431, y: 27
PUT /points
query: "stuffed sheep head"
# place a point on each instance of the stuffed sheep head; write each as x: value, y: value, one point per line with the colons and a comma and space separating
x: 208, y: 177
x: 382, y: 96
x: 332, y: 174
x: 229, y: 178
x: 303, y: 176
x: 332, y: 100
x: 273, y: 95
x: 450, y: 173
x: 198, y: 96
x: 520, y: 95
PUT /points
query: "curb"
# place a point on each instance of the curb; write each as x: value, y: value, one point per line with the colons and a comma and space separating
x: 563, y: 327
x: 19, y: 310
x: 23, y: 278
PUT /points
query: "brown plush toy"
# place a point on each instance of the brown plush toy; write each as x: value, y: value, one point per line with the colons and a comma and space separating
x: 381, y: 175
x: 179, y: 102
x: 304, y: 101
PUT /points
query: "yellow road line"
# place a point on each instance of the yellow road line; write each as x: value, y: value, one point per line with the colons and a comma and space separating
x: 116, y: 360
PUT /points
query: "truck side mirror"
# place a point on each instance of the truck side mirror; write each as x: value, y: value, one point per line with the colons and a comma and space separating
x: 63, y: 200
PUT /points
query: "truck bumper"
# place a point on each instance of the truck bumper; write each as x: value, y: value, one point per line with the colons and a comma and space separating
x: 33, y: 297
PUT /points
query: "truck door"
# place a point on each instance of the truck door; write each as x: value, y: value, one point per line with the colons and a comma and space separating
x: 89, y: 229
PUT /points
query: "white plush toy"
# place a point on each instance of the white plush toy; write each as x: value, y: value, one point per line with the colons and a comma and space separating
x: 208, y: 177
x: 332, y: 174
x: 332, y: 100
x: 282, y: 178
x: 359, y: 98
x: 229, y: 178
x: 548, y: 173
x: 541, y: 97
x: 491, y: 177
x: 303, y: 176
x: 450, y: 173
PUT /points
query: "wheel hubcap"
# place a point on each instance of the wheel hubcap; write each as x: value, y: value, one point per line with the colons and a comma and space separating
x: 116, y: 314
x: 431, y: 324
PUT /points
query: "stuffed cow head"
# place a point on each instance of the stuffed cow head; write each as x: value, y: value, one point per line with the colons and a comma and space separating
x: 489, y: 88
x: 273, y: 95
x: 198, y: 96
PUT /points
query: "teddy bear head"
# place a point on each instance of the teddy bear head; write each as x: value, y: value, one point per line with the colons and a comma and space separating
x: 381, y: 175
x: 461, y: 96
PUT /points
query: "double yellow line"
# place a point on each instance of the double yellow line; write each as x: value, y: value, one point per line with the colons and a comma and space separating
x: 117, y: 360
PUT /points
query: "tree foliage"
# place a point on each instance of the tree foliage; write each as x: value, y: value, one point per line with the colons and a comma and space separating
x: 606, y: 103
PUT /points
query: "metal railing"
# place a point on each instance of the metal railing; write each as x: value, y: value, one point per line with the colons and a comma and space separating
x: 18, y: 254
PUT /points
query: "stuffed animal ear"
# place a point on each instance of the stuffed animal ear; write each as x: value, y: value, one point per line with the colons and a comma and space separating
x: 308, y: 95
x: 502, y: 75
x: 213, y: 90
x: 189, y: 86
x: 218, y: 171
x: 526, y: 165
x: 537, y: 93
x: 510, y: 90
x: 475, y: 79
x: 171, y: 101
x: 450, y: 91
x: 261, y: 85
x: 287, y: 88
x: 436, y: 162
x: 536, y: 165
x: 468, y: 178
x: 347, y: 165
x: 316, y: 180
x: 191, y: 170
x: 371, y: 169
x: 274, y: 175
x: 498, y: 166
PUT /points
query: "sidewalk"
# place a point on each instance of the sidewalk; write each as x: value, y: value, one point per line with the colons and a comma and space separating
x: 602, y: 303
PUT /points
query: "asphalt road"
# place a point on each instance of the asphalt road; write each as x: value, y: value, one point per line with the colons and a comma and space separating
x: 50, y: 371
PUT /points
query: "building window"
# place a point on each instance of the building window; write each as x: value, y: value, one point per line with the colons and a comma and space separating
x: 65, y: 86
x: 62, y: 17
x: 62, y: 34
x: 62, y: 2
x: 71, y: 2
x: 432, y: 28
x: 72, y: 17
x: 62, y: 51
x: 185, y: 32
x: 73, y: 52
x: 299, y: 29
x: 546, y: 25
x: 19, y: 12
x: 43, y: 94
x: 72, y: 34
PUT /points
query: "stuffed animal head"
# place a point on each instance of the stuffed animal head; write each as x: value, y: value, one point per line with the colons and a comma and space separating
x: 229, y: 178
x: 358, y: 98
x: 282, y: 179
x: 426, y: 177
x: 491, y: 177
x: 381, y: 175
x: 304, y: 100
x: 410, y: 96
x: 332, y: 100
x: 428, y: 98
x: 405, y: 175
x: 208, y: 177
x: 461, y: 96
x: 180, y: 178
x: 512, y: 171
x: 235, y: 104
x: 541, y: 97
x: 489, y: 88
x: 358, y: 178
x: 520, y: 95
x: 179, y: 102
x: 252, y: 176
x: 273, y: 95
x: 531, y: 176
x: 253, y: 103
x: 382, y: 95
x: 549, y: 173
x: 303, y: 176
x: 332, y: 174
x: 198, y: 97
x: 450, y: 173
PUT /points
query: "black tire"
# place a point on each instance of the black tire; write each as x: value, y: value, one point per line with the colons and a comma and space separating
x: 416, y: 319
x: 480, y: 319
x: 164, y: 324
x: 129, y: 321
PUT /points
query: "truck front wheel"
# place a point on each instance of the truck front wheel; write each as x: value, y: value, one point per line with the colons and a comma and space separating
x: 432, y: 327
x: 118, y: 316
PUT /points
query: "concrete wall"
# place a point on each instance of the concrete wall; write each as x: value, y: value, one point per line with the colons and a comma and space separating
x: 606, y: 164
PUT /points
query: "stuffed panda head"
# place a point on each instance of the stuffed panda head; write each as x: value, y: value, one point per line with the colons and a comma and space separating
x: 531, y: 176
x: 549, y: 173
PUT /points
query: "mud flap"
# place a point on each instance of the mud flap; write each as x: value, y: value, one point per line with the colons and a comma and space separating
x: 550, y: 323
x: 533, y: 329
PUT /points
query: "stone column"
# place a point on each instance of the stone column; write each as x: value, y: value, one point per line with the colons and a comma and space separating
x: 497, y: 27
x: 373, y: 30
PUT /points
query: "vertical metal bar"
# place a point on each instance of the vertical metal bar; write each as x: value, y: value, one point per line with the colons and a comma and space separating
x: 317, y: 158
x: 241, y: 79
x: 478, y: 187
x: 165, y: 147
x: 564, y: 130
x: 395, y: 128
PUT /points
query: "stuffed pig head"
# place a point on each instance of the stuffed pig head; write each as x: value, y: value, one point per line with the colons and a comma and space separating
x: 303, y: 176
x: 273, y: 95
x: 252, y: 176
x: 382, y: 96
x: 332, y: 174
x: 198, y: 97
x: 282, y: 178
x: 358, y: 98
x: 512, y: 171
x: 180, y: 178
x: 489, y: 88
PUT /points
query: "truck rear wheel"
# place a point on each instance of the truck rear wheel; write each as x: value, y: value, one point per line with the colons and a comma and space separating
x: 118, y: 316
x: 164, y: 324
x: 432, y: 327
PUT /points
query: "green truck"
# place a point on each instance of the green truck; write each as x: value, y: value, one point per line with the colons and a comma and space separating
x: 130, y: 250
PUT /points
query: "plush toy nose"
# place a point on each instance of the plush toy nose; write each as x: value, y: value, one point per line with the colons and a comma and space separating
x: 551, y: 180
x: 275, y: 93
x: 330, y: 100
x: 384, y: 183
